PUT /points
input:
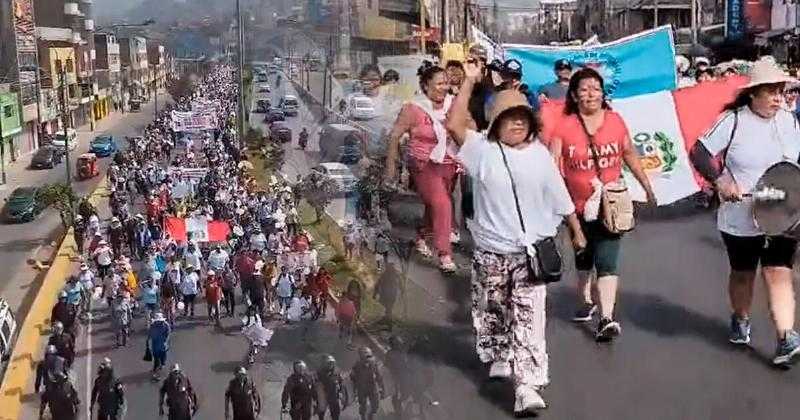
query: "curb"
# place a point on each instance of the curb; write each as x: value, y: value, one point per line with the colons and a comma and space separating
x: 17, y: 386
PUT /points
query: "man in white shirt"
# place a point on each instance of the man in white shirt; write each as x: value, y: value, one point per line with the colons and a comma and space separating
x: 190, y: 287
x: 193, y: 256
x: 218, y: 259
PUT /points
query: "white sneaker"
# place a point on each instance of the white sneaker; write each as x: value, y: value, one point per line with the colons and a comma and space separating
x: 447, y: 265
x: 455, y: 237
x: 500, y: 370
x: 528, y: 401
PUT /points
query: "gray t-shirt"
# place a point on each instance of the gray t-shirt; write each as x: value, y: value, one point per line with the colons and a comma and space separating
x: 553, y: 90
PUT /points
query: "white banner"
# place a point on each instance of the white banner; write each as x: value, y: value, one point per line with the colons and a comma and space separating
x: 493, y: 49
x: 655, y: 133
x: 197, y: 228
x: 192, y: 121
x: 187, y: 173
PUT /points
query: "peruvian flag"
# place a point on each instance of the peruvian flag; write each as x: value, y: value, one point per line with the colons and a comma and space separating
x: 200, y: 229
x: 663, y: 127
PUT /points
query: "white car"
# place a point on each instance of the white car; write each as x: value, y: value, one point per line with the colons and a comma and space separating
x: 340, y: 173
x: 62, y: 142
x: 263, y: 88
x: 360, y: 108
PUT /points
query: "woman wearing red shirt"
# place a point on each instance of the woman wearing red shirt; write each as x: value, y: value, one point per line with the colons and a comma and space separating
x: 586, y: 105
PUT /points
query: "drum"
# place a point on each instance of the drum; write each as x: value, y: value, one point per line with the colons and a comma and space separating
x: 779, y: 216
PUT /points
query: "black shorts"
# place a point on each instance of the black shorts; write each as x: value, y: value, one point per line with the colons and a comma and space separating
x: 745, y: 252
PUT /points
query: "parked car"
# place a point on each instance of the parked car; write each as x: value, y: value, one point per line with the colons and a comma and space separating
x: 360, y: 108
x: 262, y: 77
x: 263, y: 88
x: 103, y: 146
x: 62, y: 141
x: 47, y: 157
x: 8, y: 330
x: 340, y: 143
x: 262, y: 106
x: 289, y: 105
x: 274, y: 115
x: 136, y: 105
x: 23, y: 205
x: 280, y: 131
x: 340, y: 173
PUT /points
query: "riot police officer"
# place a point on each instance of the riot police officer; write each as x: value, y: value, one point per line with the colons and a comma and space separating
x: 299, y: 389
x: 108, y: 393
x: 62, y: 399
x: 64, y: 342
x: 180, y: 397
x: 243, y: 395
x: 368, y: 384
x: 48, y: 368
x: 331, y: 391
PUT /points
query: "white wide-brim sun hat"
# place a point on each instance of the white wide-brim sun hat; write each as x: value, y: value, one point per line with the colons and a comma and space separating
x: 766, y: 72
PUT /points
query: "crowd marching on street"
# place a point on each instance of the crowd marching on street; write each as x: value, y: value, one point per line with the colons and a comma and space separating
x: 150, y: 265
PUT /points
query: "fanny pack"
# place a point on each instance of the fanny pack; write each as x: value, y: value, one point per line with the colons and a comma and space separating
x: 544, y: 258
x: 616, y: 203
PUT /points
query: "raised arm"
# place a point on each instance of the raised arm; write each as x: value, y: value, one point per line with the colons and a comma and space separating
x: 459, y: 119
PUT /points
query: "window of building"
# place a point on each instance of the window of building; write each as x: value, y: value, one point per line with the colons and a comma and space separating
x: 8, y: 111
x: 59, y: 65
x: 70, y: 66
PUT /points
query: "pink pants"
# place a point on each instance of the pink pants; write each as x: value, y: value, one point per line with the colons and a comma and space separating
x: 434, y: 184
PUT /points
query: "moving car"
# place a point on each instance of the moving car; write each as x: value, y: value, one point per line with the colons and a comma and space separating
x: 280, y: 131
x: 23, y: 205
x: 340, y: 143
x: 289, y: 105
x: 47, y: 157
x: 103, y: 146
x: 360, y: 108
x: 63, y: 141
x: 274, y: 115
x: 340, y: 173
x: 136, y: 105
x: 263, y: 88
x: 87, y: 166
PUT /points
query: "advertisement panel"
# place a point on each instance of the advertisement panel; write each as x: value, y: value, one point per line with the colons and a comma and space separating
x: 24, y: 27
x: 736, y: 24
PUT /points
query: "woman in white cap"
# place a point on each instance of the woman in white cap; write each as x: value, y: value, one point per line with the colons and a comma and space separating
x: 520, y: 200
x: 753, y: 133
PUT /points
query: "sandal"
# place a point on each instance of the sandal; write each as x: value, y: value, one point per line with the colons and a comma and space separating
x: 422, y: 248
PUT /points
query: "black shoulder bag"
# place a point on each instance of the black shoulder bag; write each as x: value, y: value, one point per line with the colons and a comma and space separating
x: 546, y: 263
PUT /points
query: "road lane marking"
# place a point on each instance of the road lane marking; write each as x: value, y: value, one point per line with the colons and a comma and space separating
x: 89, y: 365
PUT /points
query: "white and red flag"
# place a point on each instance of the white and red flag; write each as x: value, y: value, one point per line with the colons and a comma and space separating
x: 200, y: 228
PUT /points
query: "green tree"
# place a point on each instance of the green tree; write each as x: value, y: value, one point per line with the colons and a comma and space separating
x: 63, y: 198
x: 318, y: 190
x: 274, y: 156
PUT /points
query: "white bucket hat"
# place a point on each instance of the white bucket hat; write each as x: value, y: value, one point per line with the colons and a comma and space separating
x: 766, y: 72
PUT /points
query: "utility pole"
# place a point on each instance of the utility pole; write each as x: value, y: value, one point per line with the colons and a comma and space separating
x: 2, y: 145
x: 239, y: 23
x: 62, y: 76
x: 445, y: 25
x: 694, y: 21
x: 325, y: 77
x: 422, y: 26
x: 655, y: 13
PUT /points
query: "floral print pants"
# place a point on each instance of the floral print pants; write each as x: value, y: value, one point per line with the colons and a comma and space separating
x: 508, y: 316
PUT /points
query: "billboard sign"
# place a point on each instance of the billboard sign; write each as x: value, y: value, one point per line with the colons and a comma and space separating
x: 24, y: 27
x: 736, y: 24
